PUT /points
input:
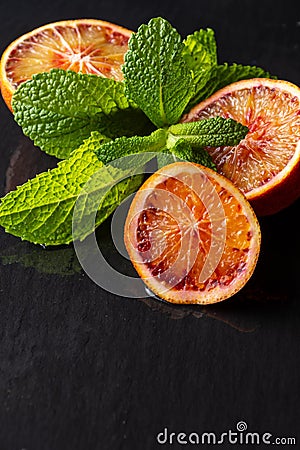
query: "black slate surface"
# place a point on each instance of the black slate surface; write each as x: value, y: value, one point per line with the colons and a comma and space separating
x: 83, y: 369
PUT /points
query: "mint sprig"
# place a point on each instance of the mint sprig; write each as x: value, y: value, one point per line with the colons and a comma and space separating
x: 106, y: 120
x: 196, y: 135
x: 212, y: 132
x: 123, y: 146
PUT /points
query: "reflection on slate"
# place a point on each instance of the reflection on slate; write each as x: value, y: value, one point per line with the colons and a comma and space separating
x: 83, y: 369
x: 26, y: 162
x: 242, y: 312
x: 61, y: 261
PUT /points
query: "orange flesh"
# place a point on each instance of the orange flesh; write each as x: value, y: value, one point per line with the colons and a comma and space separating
x: 82, y: 47
x: 273, y: 119
x: 161, y: 228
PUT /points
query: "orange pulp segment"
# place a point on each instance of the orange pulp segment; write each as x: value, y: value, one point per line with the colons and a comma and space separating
x: 191, y: 235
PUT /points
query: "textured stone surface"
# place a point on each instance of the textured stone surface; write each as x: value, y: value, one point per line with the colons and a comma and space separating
x: 83, y: 369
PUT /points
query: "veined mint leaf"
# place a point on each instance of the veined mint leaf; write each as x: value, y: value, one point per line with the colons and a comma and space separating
x: 222, y: 75
x: 209, y: 132
x: 95, y: 141
x: 59, y: 109
x: 200, y: 54
x: 123, y: 146
x: 156, y: 75
x: 200, y: 48
x: 183, y: 151
x: 41, y: 210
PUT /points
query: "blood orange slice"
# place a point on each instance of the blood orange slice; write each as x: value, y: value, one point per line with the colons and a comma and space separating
x: 192, y: 235
x: 266, y: 164
x: 83, y: 45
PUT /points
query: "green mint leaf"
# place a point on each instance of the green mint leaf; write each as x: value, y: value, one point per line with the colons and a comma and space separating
x: 41, y: 210
x: 95, y: 141
x: 200, y: 48
x: 123, y: 146
x: 59, y: 109
x: 156, y: 75
x: 222, y: 75
x: 183, y: 151
x: 166, y: 158
x: 200, y: 54
x: 209, y: 132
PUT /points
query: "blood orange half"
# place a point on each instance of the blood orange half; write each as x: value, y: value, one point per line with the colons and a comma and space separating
x: 192, y: 235
x: 265, y: 165
x: 83, y: 45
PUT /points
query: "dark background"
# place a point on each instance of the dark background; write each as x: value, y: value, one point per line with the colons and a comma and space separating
x: 83, y: 369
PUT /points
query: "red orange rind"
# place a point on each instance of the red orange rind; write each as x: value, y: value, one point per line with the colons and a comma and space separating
x: 83, y: 45
x: 266, y: 164
x: 191, y: 235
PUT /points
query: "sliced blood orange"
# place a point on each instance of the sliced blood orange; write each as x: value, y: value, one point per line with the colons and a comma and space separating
x: 266, y: 164
x: 83, y: 45
x: 192, y: 235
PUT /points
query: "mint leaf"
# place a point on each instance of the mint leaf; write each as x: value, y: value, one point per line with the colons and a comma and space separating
x: 200, y: 54
x: 59, y: 109
x: 185, y: 141
x: 123, y: 146
x: 156, y: 76
x: 222, y: 75
x: 41, y: 210
x: 200, y: 48
x: 165, y: 158
x: 209, y: 132
x: 183, y: 151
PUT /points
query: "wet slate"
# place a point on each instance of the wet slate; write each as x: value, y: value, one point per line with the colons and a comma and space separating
x: 84, y: 369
